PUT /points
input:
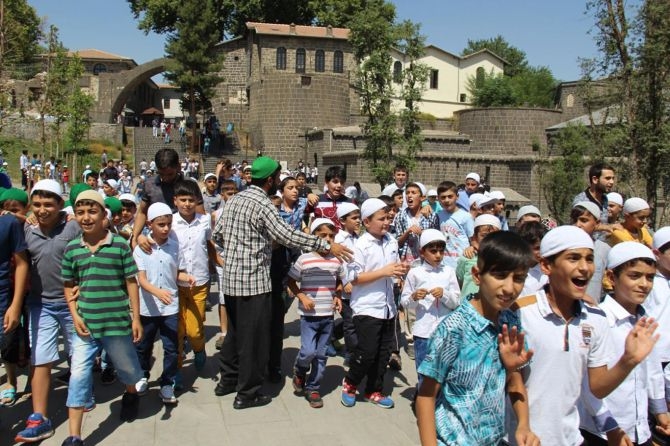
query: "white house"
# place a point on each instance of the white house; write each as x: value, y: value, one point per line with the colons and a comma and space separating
x: 170, y: 98
x: 447, y: 86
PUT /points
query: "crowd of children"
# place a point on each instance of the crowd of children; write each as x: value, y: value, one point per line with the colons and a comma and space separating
x: 525, y: 335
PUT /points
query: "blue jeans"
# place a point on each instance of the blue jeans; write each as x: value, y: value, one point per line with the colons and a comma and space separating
x: 420, y: 351
x: 315, y: 333
x: 167, y: 327
x: 47, y: 319
x: 84, y: 349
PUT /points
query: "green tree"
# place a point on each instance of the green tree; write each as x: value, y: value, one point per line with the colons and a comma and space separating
x: 193, y: 63
x: 515, y: 58
x: 534, y: 86
x: 20, y: 34
x: 78, y: 124
x: 492, y: 90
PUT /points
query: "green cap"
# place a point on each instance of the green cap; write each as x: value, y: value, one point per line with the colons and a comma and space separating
x: 77, y: 189
x: 263, y: 167
x: 14, y: 194
x: 114, y: 205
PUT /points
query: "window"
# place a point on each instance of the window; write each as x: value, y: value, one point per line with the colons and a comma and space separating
x: 281, y: 58
x: 433, y: 79
x: 464, y: 97
x: 300, y: 60
x: 99, y: 68
x: 319, y: 61
x: 480, y: 77
x: 570, y: 101
x: 305, y: 81
x: 166, y: 103
x: 338, y: 62
x: 397, y: 71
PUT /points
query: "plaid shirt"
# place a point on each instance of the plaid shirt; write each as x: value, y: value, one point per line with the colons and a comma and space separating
x: 245, y: 231
x: 402, y: 223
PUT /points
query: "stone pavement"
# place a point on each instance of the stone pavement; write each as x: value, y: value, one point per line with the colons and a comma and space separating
x: 201, y: 418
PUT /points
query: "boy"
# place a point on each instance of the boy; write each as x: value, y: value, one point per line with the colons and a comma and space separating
x: 109, y: 188
x: 398, y: 199
x: 320, y: 289
x: 14, y: 201
x: 101, y: 265
x: 570, y: 339
x: 532, y: 233
x: 454, y: 222
x: 475, y: 354
x: 92, y: 180
x: 128, y: 209
x: 636, y: 214
x: 614, y: 207
x: 586, y: 216
x: 159, y: 306
x: 483, y: 226
x: 211, y: 199
x: 527, y: 213
x: 431, y: 200
x: 194, y: 233
x: 336, y: 177
x: 410, y: 222
x: 631, y: 268
x: 113, y: 204
x: 376, y: 263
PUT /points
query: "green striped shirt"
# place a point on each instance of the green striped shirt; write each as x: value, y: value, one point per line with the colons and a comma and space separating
x: 103, y: 302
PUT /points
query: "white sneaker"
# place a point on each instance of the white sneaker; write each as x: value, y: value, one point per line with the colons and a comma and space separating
x: 167, y: 395
x: 142, y: 386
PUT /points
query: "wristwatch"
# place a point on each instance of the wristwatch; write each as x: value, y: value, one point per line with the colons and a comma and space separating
x: 327, y: 248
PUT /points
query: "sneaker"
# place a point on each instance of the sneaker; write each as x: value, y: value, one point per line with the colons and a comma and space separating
x: 395, y: 362
x: 410, y: 351
x: 380, y: 400
x: 108, y: 376
x: 348, y: 398
x: 167, y: 394
x: 129, y: 407
x: 298, y: 384
x: 37, y: 428
x: 90, y: 406
x: 142, y: 386
x: 200, y: 360
x: 219, y: 342
x: 73, y: 441
x: 314, y: 399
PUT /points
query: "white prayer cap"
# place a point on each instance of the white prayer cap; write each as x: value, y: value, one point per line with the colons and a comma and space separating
x: 474, y: 199
x: 487, y: 219
x: 634, y: 204
x: 528, y: 210
x: 346, y: 209
x: 210, y: 175
x: 486, y: 200
x: 158, y: 210
x: 370, y: 206
x: 431, y: 235
x: 563, y: 238
x: 616, y: 198
x: 128, y: 197
x: 661, y: 237
x: 109, y: 214
x: 318, y: 222
x: 111, y: 183
x: 591, y: 207
x: 497, y: 194
x: 473, y: 176
x: 422, y: 188
x: 47, y: 186
x: 625, y: 251
x: 431, y: 193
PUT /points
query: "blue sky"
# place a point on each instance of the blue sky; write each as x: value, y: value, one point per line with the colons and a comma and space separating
x: 552, y: 33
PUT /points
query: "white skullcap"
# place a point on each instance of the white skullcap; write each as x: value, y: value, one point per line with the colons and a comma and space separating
x: 422, y: 188
x: 346, y: 209
x: 431, y: 235
x: 48, y: 186
x: 474, y: 198
x: 128, y: 197
x: 431, y: 193
x: 282, y: 177
x: 370, y: 206
x: 634, y: 204
x: 108, y: 212
x: 591, y: 207
x: 661, y: 237
x: 210, y: 175
x: 497, y: 194
x: 487, y: 219
x: 111, y: 183
x: 563, y: 238
x: 473, y: 176
x: 318, y: 222
x: 526, y: 210
x: 616, y: 198
x: 486, y: 200
x: 625, y: 251
x: 158, y: 210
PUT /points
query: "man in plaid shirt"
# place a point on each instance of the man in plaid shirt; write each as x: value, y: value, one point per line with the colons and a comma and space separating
x: 410, y: 222
x: 245, y: 231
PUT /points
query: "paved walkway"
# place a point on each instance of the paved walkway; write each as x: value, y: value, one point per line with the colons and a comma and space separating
x: 201, y: 418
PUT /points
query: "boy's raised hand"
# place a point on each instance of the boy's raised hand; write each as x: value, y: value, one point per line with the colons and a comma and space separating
x: 513, y: 353
x: 641, y: 340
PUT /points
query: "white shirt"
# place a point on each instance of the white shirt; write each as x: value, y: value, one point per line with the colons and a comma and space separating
x: 373, y: 298
x: 429, y: 310
x: 562, y: 355
x: 193, y: 238
x: 535, y: 280
x: 643, y: 387
x: 345, y: 238
x: 657, y: 306
x: 161, y: 268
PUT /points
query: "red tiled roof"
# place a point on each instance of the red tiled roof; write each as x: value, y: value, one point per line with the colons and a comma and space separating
x: 92, y: 53
x: 299, y: 30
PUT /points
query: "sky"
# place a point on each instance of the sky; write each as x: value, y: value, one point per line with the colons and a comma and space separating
x: 551, y: 33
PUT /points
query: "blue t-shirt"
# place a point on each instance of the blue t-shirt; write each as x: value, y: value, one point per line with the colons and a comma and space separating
x: 463, y: 358
x: 13, y: 241
x: 458, y: 227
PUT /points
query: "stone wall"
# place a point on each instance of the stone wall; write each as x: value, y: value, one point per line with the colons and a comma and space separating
x: 31, y: 128
x: 230, y: 103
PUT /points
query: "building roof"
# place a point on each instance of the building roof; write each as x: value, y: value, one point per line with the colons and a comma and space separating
x: 437, y: 48
x: 92, y: 53
x: 604, y: 116
x: 277, y: 29
x: 166, y: 86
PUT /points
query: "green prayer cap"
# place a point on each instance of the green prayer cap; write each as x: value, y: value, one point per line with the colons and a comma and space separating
x: 77, y: 189
x: 114, y: 205
x: 263, y: 167
x: 14, y: 194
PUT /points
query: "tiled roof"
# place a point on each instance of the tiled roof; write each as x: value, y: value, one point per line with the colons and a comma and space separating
x: 92, y: 53
x: 299, y: 30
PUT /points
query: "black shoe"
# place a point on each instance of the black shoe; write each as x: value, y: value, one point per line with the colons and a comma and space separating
x: 130, y: 404
x: 73, y: 441
x: 222, y: 390
x: 108, y: 376
x: 257, y: 401
x: 275, y: 376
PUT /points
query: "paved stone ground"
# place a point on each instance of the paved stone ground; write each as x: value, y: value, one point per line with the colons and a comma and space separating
x: 201, y: 418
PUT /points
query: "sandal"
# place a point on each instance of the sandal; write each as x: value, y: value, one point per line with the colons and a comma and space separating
x: 8, y: 397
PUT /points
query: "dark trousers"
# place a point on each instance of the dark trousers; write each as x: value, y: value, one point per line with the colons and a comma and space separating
x: 278, y: 273
x: 167, y: 327
x: 375, y: 341
x: 344, y: 328
x: 244, y: 354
